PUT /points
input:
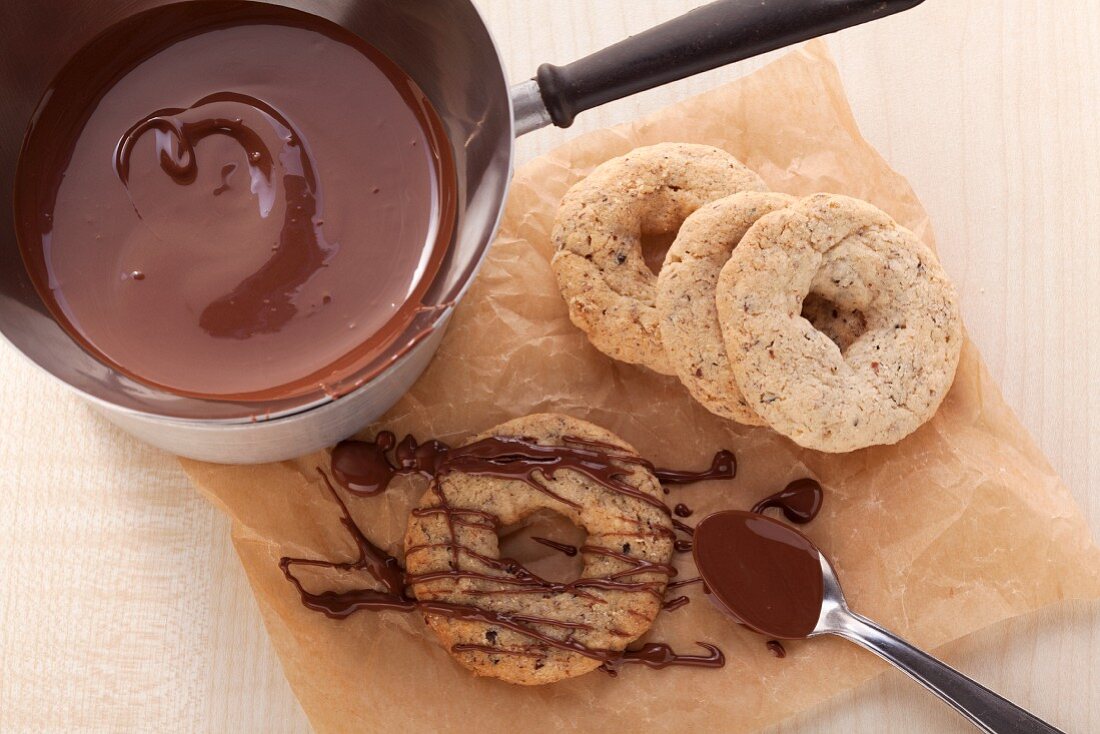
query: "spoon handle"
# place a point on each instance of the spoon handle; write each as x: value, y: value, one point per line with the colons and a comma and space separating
x: 984, y: 708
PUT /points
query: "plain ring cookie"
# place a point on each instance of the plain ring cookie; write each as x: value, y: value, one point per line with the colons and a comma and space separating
x: 686, y: 288
x: 629, y: 539
x: 598, y: 261
x: 892, y: 376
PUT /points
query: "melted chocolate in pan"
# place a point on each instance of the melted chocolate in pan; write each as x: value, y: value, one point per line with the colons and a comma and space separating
x: 234, y: 200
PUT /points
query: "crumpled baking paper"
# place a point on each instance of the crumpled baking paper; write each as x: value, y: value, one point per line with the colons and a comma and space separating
x: 959, y: 526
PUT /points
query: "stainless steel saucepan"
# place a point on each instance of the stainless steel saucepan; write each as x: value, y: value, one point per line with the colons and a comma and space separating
x: 446, y: 48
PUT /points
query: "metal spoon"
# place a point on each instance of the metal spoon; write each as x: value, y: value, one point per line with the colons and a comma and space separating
x: 753, y: 566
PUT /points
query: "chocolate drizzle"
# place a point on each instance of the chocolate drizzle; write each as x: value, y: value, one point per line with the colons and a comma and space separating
x: 520, y: 580
x: 683, y: 527
x: 723, y: 466
x: 675, y: 603
x: 658, y: 655
x: 800, y: 501
x: 366, y: 468
x: 569, y: 550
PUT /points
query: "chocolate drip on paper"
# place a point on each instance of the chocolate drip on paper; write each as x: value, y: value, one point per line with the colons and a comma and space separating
x: 364, y: 468
x: 675, y: 603
x: 683, y: 527
x: 658, y: 655
x: 800, y: 501
x: 724, y: 466
x: 684, y: 582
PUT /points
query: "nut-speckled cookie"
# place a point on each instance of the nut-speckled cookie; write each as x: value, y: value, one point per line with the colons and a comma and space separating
x: 599, y: 618
x: 892, y: 376
x: 686, y: 289
x: 598, y: 239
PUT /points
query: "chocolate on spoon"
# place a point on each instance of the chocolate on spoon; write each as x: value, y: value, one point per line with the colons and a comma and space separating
x: 774, y: 580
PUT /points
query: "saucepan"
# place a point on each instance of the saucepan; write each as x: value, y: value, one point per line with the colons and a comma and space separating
x: 446, y: 48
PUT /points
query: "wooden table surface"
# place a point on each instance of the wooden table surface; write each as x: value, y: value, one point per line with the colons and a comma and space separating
x: 122, y: 604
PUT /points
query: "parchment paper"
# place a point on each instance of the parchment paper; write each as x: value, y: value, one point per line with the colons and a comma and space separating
x: 959, y: 526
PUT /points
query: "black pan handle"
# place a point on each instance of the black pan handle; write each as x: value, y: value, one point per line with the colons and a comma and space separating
x: 705, y: 38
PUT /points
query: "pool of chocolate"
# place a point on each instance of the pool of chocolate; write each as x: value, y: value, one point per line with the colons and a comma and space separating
x: 234, y: 201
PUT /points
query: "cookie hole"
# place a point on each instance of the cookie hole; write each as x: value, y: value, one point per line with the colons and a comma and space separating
x: 517, y: 542
x: 843, y: 326
x: 654, y: 248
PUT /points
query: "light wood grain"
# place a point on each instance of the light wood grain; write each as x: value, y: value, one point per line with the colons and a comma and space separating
x: 123, y: 608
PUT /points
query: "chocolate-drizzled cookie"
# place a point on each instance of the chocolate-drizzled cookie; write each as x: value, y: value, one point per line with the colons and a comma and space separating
x: 576, y: 469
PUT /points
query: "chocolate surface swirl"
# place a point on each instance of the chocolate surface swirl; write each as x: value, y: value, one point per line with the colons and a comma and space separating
x: 262, y: 302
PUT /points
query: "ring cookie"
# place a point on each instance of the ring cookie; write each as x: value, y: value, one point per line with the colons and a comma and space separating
x: 894, y: 301
x: 626, y: 536
x: 686, y: 289
x: 599, y: 263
